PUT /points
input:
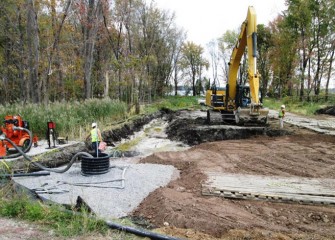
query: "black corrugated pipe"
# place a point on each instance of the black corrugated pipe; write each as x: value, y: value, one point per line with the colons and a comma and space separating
x: 45, y: 168
x: 138, y: 232
x: 119, y: 227
x: 24, y: 174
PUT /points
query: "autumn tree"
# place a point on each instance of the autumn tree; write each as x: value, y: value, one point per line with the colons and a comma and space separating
x: 193, y: 62
x: 331, y: 48
x: 283, y: 59
x: 226, y: 45
x: 54, y: 57
x: 12, y: 51
x: 215, y: 59
x: 264, y: 43
x: 176, y: 55
x: 33, y: 41
x: 90, y: 23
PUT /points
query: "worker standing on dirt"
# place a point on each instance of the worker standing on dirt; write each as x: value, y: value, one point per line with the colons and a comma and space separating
x: 281, y: 116
x: 96, y: 139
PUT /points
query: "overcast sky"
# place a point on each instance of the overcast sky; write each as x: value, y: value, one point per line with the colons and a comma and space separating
x: 205, y: 20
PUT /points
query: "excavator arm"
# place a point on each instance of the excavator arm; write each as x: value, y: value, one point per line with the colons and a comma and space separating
x: 236, y: 102
x: 247, y: 40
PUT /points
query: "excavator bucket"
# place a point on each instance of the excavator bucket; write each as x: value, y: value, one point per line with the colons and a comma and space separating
x: 251, y: 116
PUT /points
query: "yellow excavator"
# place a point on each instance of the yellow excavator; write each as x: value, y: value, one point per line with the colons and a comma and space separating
x: 239, y: 103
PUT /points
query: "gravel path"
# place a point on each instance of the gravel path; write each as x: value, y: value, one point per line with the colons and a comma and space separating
x: 326, y: 125
x: 105, y: 196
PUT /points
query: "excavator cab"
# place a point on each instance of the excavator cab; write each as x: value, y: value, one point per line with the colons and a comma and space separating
x: 243, y: 96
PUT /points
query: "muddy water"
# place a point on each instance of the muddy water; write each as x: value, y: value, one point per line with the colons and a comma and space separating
x: 152, y: 138
x: 179, y: 130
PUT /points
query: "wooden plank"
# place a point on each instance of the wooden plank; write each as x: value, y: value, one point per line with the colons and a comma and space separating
x: 274, y: 184
x: 271, y: 188
x: 276, y: 198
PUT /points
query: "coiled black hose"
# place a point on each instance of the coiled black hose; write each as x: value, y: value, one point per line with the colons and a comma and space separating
x: 45, y: 168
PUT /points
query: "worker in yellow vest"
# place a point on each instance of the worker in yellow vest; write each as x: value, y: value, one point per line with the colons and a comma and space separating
x: 281, y: 116
x: 96, y: 139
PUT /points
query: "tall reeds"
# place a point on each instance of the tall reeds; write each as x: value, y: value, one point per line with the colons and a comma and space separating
x: 72, y: 118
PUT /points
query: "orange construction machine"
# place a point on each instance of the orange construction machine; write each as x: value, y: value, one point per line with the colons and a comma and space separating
x: 16, y: 129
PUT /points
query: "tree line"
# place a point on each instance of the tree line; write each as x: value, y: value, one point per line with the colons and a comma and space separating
x: 61, y: 50
x: 295, y: 51
x: 55, y: 50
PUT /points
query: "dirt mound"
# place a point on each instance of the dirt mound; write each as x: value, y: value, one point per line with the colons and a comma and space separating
x: 181, y: 205
x: 194, y: 131
x: 330, y: 110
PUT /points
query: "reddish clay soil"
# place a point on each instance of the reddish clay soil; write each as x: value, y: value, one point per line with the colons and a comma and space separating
x: 186, y: 213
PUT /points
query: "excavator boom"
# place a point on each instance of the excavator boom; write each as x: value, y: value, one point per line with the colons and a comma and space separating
x: 242, y: 102
x: 247, y: 38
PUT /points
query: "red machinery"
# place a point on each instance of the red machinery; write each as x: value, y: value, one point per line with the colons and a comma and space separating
x: 15, y: 129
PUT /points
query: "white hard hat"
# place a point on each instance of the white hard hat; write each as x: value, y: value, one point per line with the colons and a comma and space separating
x: 283, y: 106
x: 94, y: 125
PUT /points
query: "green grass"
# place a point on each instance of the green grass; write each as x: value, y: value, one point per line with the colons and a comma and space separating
x: 65, y: 223
x: 5, y: 167
x: 173, y: 103
x: 56, y: 217
x: 294, y: 106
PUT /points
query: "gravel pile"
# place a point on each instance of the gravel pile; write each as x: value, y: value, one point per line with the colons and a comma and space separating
x: 104, y: 193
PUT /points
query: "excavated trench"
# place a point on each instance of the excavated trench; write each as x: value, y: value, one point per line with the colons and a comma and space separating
x: 186, y: 126
x: 189, y: 127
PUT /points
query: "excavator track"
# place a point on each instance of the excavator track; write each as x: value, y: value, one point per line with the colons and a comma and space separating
x: 220, y: 117
x: 214, y: 117
x: 241, y: 117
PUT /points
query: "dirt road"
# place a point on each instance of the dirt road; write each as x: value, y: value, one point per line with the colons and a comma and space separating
x: 182, y: 207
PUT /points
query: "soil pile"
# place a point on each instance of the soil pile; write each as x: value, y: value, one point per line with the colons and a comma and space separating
x: 330, y: 110
x: 191, y: 128
x: 180, y: 206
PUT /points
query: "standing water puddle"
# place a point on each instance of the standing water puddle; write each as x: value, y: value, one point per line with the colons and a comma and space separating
x: 152, y: 138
